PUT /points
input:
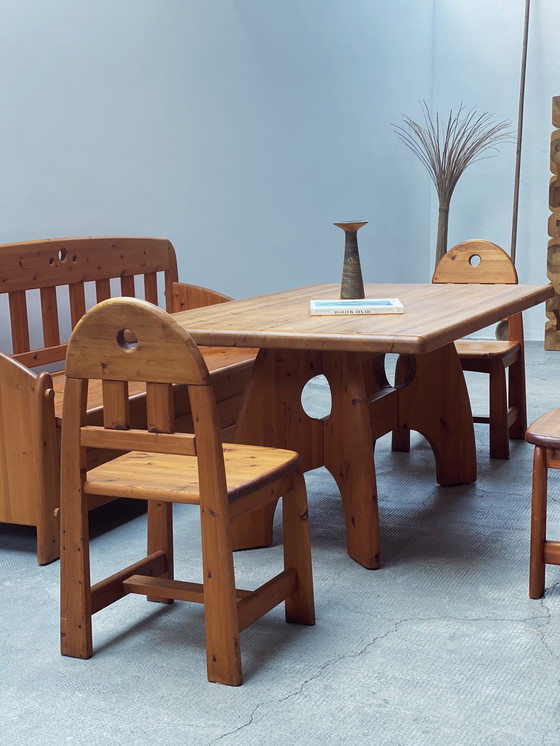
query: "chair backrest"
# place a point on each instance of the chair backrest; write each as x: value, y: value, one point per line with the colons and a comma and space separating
x: 485, y: 263
x: 476, y: 261
x: 33, y: 275
x: 128, y: 339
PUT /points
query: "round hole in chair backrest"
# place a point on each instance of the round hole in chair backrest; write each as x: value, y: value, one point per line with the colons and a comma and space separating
x: 127, y: 339
x: 474, y: 260
x: 62, y: 254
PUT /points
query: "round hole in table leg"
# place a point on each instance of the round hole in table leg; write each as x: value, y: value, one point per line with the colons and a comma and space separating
x: 316, y: 399
x: 391, y: 360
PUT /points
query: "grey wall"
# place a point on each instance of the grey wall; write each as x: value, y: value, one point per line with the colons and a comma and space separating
x: 241, y: 129
x: 477, y: 59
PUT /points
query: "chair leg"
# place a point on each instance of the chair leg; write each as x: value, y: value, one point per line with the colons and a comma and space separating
x: 499, y: 432
x: 75, y: 603
x: 400, y: 437
x: 160, y: 537
x: 300, y: 606
x: 517, y: 397
x: 538, y: 524
x: 223, y: 654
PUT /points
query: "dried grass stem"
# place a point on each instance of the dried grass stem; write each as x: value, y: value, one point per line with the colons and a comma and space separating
x: 447, y: 148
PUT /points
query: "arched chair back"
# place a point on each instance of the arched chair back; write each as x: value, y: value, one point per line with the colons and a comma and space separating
x: 126, y: 340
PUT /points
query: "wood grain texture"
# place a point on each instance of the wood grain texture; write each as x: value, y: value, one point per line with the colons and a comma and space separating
x: 295, y: 346
x: 545, y: 434
x: 556, y: 111
x: 52, y: 262
x: 552, y: 326
x: 538, y: 524
x: 348, y: 442
x: 545, y: 431
x: 18, y: 427
x: 434, y: 315
x: 225, y: 481
x: 435, y: 402
x: 59, y: 270
x: 187, y: 296
x: 479, y: 261
x: 476, y: 261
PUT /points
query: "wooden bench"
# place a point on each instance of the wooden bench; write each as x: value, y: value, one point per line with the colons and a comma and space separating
x: 45, y: 288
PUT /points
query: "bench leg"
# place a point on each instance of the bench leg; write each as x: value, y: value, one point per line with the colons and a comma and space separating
x: 48, y: 543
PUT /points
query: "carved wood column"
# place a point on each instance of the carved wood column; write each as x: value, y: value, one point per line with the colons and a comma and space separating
x: 552, y: 327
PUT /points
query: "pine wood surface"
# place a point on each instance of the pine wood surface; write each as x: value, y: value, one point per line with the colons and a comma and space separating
x: 545, y: 435
x: 552, y: 326
x: 545, y: 431
x: 487, y: 348
x: 479, y: 261
x: 295, y: 346
x: 434, y: 315
x: 227, y: 482
x: 46, y: 287
x: 476, y: 261
x: 174, y: 478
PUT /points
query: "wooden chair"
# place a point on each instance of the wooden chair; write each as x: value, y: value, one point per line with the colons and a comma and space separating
x: 544, y: 434
x: 125, y: 340
x: 482, y: 262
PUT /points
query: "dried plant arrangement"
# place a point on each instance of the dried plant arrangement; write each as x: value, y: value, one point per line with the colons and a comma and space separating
x: 447, y: 148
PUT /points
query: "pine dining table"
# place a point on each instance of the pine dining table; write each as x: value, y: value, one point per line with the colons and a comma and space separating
x: 349, y: 350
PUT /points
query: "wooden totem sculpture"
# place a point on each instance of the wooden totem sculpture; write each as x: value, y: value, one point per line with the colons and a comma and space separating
x: 552, y: 328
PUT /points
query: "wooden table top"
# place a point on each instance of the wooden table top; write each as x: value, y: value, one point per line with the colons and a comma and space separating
x: 434, y: 315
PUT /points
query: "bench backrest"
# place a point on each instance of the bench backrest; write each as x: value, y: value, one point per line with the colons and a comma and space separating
x: 59, y: 279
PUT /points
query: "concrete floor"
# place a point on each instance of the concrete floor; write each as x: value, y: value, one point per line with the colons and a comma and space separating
x: 440, y: 646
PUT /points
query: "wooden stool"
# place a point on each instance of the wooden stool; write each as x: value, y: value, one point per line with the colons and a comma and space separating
x: 128, y: 340
x: 544, y: 434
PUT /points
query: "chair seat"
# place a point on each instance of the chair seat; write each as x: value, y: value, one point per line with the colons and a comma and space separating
x: 545, y: 432
x: 174, y: 478
x: 487, y: 348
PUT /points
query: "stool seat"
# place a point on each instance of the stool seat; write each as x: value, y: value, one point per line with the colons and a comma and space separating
x: 545, y: 431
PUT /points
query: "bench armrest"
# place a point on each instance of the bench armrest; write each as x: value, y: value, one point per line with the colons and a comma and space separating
x: 185, y: 296
x: 29, y: 464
